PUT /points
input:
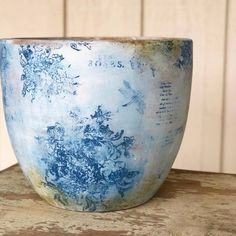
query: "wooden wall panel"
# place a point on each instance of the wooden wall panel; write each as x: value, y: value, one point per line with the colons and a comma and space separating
x: 26, y: 18
x: 31, y: 18
x: 229, y: 137
x: 103, y: 17
x: 204, y: 22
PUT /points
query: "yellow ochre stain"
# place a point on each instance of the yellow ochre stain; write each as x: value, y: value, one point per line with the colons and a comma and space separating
x: 146, y: 189
x: 156, y: 53
x: 46, y: 192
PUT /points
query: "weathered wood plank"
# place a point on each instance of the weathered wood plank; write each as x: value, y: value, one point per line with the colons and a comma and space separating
x: 31, y: 18
x: 204, y: 22
x: 229, y: 137
x: 188, y: 203
x: 103, y: 18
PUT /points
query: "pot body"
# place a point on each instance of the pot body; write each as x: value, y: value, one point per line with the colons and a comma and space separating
x: 96, y: 123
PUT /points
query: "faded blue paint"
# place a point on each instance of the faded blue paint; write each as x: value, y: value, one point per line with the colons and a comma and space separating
x: 4, y: 65
x: 44, y: 74
x: 185, y: 59
x: 79, y: 45
x: 133, y: 96
x: 91, y: 157
x: 98, y: 122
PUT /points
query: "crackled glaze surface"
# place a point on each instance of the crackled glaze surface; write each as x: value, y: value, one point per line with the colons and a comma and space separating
x: 96, y: 124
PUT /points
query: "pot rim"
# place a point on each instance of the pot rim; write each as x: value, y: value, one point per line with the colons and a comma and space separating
x: 113, y: 39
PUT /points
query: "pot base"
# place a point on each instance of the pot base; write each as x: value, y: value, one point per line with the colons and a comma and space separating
x: 108, y: 208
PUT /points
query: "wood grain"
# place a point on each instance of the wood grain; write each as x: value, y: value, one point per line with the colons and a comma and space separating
x: 188, y: 203
x: 204, y: 22
x: 229, y: 137
x: 31, y: 18
x: 103, y: 18
x: 26, y: 18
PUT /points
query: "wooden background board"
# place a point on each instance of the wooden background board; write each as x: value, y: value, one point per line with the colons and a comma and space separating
x: 103, y: 17
x: 229, y: 137
x: 31, y: 18
x: 208, y: 144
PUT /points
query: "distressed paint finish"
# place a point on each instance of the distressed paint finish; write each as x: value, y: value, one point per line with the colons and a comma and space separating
x: 188, y: 203
x: 96, y: 123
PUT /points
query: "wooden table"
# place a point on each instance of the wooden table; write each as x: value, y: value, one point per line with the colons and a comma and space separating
x: 188, y: 203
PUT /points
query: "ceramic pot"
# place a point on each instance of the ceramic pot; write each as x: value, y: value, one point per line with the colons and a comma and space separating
x: 96, y: 123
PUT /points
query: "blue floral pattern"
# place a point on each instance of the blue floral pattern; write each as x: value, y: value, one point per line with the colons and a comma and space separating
x: 44, y: 73
x: 89, y: 158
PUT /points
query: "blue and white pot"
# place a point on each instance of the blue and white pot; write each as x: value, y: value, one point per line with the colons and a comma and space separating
x: 96, y: 124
